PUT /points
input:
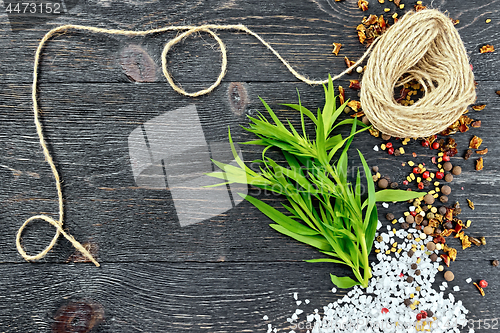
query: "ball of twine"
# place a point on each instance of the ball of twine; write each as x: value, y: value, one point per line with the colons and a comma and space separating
x: 425, y: 47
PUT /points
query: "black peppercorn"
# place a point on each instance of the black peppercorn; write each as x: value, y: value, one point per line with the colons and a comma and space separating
x: 410, y: 253
x: 409, y: 279
x: 417, y: 272
x: 389, y: 216
x: 414, y: 266
x: 433, y: 257
x: 394, y: 185
x: 430, y: 314
x: 425, y: 223
x: 448, y: 225
x: 405, y: 225
x: 443, y: 199
x: 442, y: 210
x: 408, y: 302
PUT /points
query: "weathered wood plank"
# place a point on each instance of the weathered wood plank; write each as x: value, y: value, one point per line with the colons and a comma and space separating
x: 194, y: 297
x: 303, y: 32
x: 87, y: 126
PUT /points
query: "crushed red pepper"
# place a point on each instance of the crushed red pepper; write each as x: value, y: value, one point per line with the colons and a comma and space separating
x: 341, y: 95
x: 355, y: 105
x: 482, y: 152
x: 487, y: 49
x: 336, y: 48
x: 479, y: 164
x: 478, y: 107
x: 354, y: 84
x: 475, y: 142
x: 363, y: 5
x: 481, y: 290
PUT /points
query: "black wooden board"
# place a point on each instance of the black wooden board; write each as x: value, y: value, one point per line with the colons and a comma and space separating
x: 225, y: 273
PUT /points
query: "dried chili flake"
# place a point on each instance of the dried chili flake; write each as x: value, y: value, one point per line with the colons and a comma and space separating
x: 468, y: 154
x: 446, y: 259
x: 420, y: 7
x: 455, y: 22
x: 475, y: 142
x: 354, y: 84
x: 476, y: 123
x: 471, y: 204
x: 341, y: 95
x: 336, y: 48
x: 374, y: 132
x: 358, y: 114
x: 452, y: 252
x: 482, y: 152
x: 363, y: 5
x: 372, y: 19
x: 478, y: 107
x: 381, y: 23
x: 397, y: 2
x: 348, y: 63
x: 487, y: 49
x: 447, y: 232
x: 479, y: 164
x: 475, y: 241
x: 355, y: 105
x: 465, y: 242
x: 479, y: 288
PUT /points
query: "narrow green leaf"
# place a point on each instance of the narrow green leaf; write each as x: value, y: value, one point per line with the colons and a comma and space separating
x: 325, y: 260
x: 302, y: 109
x: 316, y: 241
x: 343, y: 282
x: 397, y: 195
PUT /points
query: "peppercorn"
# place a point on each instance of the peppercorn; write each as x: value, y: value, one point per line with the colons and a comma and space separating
x: 389, y: 216
x: 408, y: 302
x: 383, y: 183
x: 439, y: 175
x: 449, y: 276
x: 419, y: 316
x: 429, y: 199
x: 409, y: 279
x: 495, y: 263
x: 446, y: 190
x: 394, y: 185
x: 417, y: 272
x: 390, y: 151
x: 385, y: 137
x: 438, y: 231
x: 456, y: 170
x: 446, y: 158
x: 414, y: 213
x: 442, y: 210
x: 397, y: 152
x: 443, y: 199
x: 405, y: 225
x: 435, y: 145
x: 426, y: 174
x: 410, y: 219
x: 426, y: 183
x: 448, y: 225
x: 425, y: 208
x: 448, y: 177
x: 375, y: 169
x: 425, y: 143
x: 431, y: 246
x: 433, y: 256
x: 414, y: 266
x: 380, y: 239
x: 365, y: 120
x: 425, y: 222
x: 411, y: 252
x: 430, y: 314
x: 483, y: 284
x: 428, y: 230
x: 447, y: 166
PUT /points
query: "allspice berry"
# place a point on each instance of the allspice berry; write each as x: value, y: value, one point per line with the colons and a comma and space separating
x: 365, y: 120
x: 386, y: 137
x: 448, y: 178
x: 442, y: 210
x: 389, y: 216
x: 431, y: 246
x: 383, y: 183
x: 447, y: 166
x: 443, y: 199
x: 414, y: 266
x: 410, y: 219
x: 456, y: 170
x: 375, y: 169
x: 433, y: 257
x: 428, y: 231
x: 446, y: 190
x: 495, y: 263
x: 449, y: 276
x: 429, y: 199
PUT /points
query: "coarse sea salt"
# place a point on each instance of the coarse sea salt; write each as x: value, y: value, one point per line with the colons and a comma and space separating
x: 360, y: 310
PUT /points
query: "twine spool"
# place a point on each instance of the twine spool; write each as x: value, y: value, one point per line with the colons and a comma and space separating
x: 427, y: 48
x: 424, y: 45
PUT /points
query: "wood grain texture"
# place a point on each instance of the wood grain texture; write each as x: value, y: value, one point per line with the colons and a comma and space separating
x: 225, y: 273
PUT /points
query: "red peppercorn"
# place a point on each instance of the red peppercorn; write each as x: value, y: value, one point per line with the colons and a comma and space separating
x: 385, y: 310
x: 439, y: 175
x: 425, y: 143
x: 416, y: 170
x: 414, y: 213
x: 483, y: 284
x: 420, y: 186
x: 426, y: 174
x: 446, y: 158
x: 435, y: 145
x: 401, y: 275
x: 419, y: 316
x: 388, y: 144
x: 390, y: 151
x: 405, y: 182
x: 424, y: 314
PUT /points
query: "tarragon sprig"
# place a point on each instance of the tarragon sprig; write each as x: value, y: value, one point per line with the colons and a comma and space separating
x: 326, y: 210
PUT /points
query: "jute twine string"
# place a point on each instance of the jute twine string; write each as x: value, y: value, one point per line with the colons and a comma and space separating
x: 426, y: 47
x: 394, y: 56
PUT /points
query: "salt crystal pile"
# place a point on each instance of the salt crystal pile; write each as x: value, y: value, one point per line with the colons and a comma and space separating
x: 381, y: 308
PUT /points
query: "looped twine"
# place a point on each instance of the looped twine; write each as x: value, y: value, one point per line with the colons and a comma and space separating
x: 424, y: 47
